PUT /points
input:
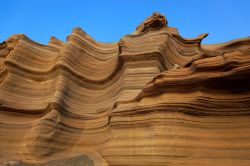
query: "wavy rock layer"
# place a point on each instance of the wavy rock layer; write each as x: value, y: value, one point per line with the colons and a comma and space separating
x: 153, y: 98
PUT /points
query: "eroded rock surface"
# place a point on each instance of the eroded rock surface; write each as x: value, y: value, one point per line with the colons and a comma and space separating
x: 152, y: 98
x: 73, y: 161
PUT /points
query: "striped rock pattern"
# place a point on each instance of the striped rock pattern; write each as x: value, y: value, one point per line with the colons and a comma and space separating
x: 153, y: 98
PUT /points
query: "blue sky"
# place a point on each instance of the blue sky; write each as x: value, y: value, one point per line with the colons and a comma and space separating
x: 109, y: 20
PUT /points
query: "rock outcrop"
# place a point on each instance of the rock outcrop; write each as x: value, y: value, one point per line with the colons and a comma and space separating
x: 153, y: 98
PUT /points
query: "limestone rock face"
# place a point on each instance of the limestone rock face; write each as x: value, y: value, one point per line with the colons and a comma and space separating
x: 153, y: 98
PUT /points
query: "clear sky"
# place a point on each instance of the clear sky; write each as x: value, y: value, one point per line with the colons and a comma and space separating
x: 109, y: 20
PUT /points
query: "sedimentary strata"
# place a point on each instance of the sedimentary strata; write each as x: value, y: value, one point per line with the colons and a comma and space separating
x: 153, y: 98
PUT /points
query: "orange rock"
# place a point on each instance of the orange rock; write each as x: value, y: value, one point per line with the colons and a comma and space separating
x: 153, y: 98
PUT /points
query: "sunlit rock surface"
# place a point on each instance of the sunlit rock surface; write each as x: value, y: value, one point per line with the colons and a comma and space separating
x: 152, y: 98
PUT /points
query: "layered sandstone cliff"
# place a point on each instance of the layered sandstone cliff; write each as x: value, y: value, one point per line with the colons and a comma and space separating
x: 153, y: 98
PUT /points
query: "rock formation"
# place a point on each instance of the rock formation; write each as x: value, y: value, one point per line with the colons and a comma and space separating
x: 153, y: 98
